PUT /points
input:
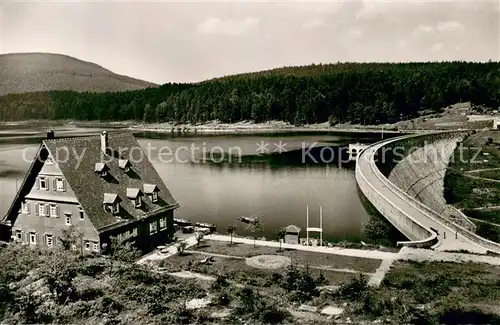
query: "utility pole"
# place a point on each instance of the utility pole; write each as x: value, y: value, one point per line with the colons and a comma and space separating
x: 307, y: 225
x: 321, y: 225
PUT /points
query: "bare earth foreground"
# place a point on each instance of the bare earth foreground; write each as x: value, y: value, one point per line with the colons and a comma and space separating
x: 260, y: 265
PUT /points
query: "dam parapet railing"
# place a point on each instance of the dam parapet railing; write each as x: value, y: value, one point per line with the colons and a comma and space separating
x: 408, y: 142
x: 419, y: 235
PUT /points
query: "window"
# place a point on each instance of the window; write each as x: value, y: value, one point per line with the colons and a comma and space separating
x: 25, y: 208
x: 53, y: 211
x: 104, y: 173
x: 68, y: 220
x: 19, y: 235
x: 138, y: 202
x: 96, y: 247
x: 33, y: 238
x: 116, y: 208
x: 87, y: 245
x: 127, y: 169
x: 42, y: 211
x: 49, y: 160
x: 43, y: 183
x: 154, y: 198
x: 60, y: 184
x: 80, y: 213
x: 48, y: 240
x: 163, y: 223
x: 152, y: 227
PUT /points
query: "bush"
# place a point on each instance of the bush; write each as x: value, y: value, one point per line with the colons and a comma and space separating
x: 222, y: 299
x: 275, y: 315
x: 489, y: 231
x: 354, y: 289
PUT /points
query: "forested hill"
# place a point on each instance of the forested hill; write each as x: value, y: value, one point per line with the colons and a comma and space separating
x: 28, y: 72
x: 356, y: 92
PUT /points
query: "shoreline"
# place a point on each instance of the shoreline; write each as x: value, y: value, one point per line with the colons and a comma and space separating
x: 209, y: 128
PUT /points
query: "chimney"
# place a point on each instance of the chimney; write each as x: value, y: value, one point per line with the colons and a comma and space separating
x: 104, y: 141
x: 51, y: 135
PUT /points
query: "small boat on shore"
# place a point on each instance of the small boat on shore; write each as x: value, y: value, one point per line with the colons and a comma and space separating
x: 182, y: 222
x: 210, y: 226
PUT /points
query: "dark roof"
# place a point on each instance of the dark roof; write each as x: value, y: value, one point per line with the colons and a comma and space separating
x: 292, y: 229
x: 133, y: 193
x: 150, y: 188
x: 123, y: 163
x: 110, y: 198
x: 89, y: 186
x: 100, y: 167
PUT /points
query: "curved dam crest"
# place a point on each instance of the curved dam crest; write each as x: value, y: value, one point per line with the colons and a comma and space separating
x: 409, y: 195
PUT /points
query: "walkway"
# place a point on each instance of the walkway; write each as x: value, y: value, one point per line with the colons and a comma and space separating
x: 395, y: 199
x: 169, y: 251
x: 318, y: 249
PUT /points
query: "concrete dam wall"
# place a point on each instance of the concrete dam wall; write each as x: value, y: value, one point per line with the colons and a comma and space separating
x: 418, y: 181
x: 421, y: 175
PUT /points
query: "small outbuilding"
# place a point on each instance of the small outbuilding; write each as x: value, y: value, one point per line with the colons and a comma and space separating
x: 496, y: 124
x: 292, y: 235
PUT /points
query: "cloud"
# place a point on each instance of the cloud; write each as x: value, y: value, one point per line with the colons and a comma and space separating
x: 424, y: 29
x: 314, y: 23
x: 437, y: 47
x: 355, y: 33
x: 449, y: 26
x: 441, y: 27
x: 313, y: 7
x: 402, y: 42
x: 216, y: 26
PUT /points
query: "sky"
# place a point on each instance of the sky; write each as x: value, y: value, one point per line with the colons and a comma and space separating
x: 167, y: 41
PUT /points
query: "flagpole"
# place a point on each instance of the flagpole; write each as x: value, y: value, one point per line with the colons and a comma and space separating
x: 321, y: 225
x: 307, y: 225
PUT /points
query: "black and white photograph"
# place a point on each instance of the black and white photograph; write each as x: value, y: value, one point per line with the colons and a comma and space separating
x: 250, y: 162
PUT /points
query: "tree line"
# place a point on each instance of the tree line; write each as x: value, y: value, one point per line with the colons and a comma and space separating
x: 367, y: 93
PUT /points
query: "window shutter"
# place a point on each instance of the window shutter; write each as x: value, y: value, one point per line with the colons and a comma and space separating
x: 28, y: 206
x: 64, y: 184
x: 47, y: 210
x: 37, y: 208
x: 44, y: 240
x: 37, y: 183
x: 57, y: 211
x: 37, y: 238
x: 54, y: 184
x: 27, y: 237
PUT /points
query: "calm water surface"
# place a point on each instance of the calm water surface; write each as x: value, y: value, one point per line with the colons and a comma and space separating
x: 277, y: 187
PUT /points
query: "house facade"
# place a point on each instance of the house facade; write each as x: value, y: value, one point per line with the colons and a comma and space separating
x: 101, y: 186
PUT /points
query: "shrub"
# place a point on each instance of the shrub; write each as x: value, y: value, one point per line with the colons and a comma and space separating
x: 355, y: 289
x: 222, y: 299
x: 275, y: 315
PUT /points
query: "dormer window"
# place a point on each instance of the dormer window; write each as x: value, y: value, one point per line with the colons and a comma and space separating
x: 102, y: 169
x: 124, y: 164
x: 111, y: 203
x: 135, y: 194
x: 151, y: 190
x: 43, y: 183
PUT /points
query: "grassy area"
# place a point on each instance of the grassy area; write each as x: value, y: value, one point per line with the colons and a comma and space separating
x: 478, y: 151
x: 367, y: 265
x: 237, y: 270
x: 428, y: 293
x: 59, y: 286
x: 491, y: 174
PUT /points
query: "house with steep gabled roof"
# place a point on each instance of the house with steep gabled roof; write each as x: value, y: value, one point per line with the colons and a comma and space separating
x: 104, y: 186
